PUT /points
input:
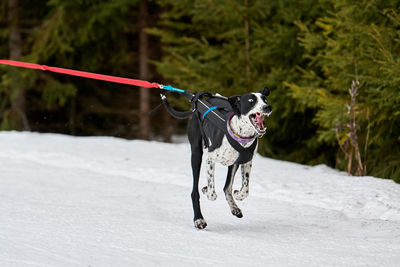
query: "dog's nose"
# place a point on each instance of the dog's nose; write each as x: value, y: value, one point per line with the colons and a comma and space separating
x: 267, y: 109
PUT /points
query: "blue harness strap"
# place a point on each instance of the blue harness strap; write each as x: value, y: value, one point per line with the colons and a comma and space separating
x: 170, y: 88
x: 208, y: 110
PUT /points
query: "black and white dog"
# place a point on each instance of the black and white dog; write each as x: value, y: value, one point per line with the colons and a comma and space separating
x: 245, y: 124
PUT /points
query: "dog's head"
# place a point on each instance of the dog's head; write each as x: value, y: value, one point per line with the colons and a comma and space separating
x: 253, y: 107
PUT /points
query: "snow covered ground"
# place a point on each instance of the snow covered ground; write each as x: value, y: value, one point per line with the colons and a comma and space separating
x: 100, y: 201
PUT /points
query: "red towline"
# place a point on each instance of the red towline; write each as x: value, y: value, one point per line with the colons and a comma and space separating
x: 84, y: 74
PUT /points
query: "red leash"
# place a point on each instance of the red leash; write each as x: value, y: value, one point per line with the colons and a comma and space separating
x: 85, y: 74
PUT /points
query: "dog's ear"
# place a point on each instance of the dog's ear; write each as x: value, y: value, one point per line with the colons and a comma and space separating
x: 265, y: 91
x: 235, y: 103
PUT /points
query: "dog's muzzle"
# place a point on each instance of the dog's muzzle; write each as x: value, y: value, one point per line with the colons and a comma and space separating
x: 267, y: 110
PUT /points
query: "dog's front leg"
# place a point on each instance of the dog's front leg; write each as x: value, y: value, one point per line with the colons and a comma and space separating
x: 228, y: 191
x: 244, y: 191
x: 209, y: 190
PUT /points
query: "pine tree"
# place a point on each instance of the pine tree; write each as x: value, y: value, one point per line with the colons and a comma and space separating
x: 144, y: 71
x: 97, y: 36
x: 13, y: 104
x: 357, y: 38
x: 234, y: 47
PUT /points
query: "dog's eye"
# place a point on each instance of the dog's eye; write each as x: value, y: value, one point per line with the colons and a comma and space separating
x: 251, y: 100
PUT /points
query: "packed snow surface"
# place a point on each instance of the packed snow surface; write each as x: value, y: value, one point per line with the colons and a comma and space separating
x: 101, y: 201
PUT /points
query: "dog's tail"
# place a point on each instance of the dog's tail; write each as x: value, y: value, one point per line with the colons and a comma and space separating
x: 174, y: 113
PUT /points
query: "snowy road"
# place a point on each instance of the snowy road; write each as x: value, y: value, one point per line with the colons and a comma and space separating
x: 67, y: 201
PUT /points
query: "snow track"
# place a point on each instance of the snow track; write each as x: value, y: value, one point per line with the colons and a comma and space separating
x: 100, y: 201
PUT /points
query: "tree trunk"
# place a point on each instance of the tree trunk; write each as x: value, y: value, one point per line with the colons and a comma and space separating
x: 18, y: 101
x: 247, y: 46
x: 14, y: 41
x: 144, y: 114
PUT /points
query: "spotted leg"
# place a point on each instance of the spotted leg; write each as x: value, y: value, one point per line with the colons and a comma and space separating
x: 210, y: 189
x: 228, y: 191
x: 244, y: 191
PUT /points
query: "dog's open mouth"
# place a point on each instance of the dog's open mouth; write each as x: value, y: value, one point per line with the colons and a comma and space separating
x: 258, y: 122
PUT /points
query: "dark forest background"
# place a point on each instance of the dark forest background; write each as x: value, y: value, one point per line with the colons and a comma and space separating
x: 332, y: 66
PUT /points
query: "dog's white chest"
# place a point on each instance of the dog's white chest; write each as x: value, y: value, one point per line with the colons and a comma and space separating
x: 225, y: 154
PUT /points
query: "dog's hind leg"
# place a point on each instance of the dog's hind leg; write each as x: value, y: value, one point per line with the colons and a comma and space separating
x: 244, y: 191
x: 209, y: 190
x: 195, y: 139
x: 228, y: 191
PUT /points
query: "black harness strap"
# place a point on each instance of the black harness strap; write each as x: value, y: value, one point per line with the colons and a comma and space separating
x: 245, y: 154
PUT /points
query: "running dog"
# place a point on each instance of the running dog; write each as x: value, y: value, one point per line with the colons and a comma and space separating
x: 245, y: 124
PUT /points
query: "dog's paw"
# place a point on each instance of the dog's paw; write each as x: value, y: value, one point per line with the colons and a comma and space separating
x: 200, y: 224
x: 237, y: 212
x: 210, y: 195
x: 239, y: 195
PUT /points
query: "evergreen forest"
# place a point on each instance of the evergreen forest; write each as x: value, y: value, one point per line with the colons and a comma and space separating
x: 333, y: 67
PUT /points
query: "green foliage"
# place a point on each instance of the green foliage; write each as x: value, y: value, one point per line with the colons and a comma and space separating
x: 198, y: 40
x: 55, y: 93
x: 87, y: 27
x: 356, y: 39
x: 76, y: 34
x: 308, y: 52
x: 205, y: 45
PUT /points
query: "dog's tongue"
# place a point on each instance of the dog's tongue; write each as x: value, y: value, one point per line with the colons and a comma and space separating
x: 259, y: 120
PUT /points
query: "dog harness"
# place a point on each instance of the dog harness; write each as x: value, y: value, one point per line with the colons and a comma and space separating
x: 214, y: 113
